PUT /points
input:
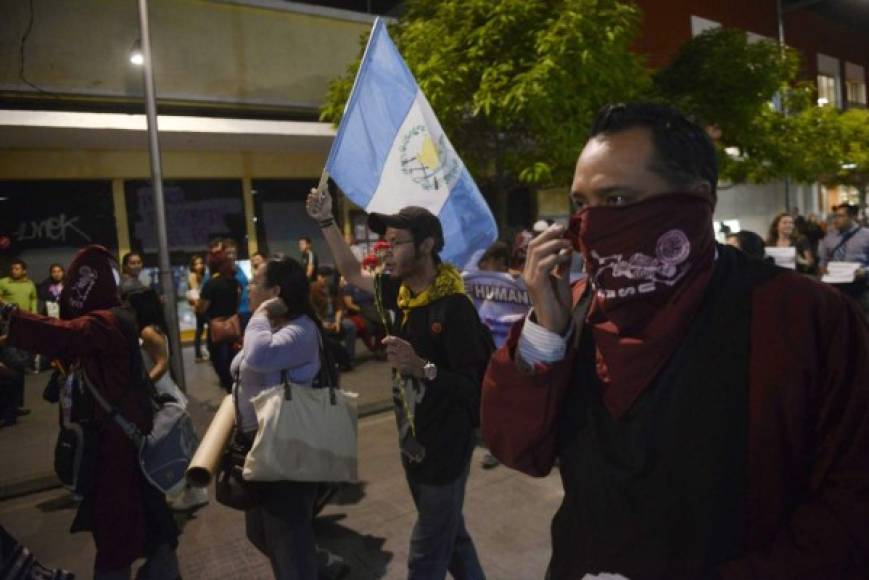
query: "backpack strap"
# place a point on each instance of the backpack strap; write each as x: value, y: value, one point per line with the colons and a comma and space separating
x: 844, y: 240
x: 128, y: 427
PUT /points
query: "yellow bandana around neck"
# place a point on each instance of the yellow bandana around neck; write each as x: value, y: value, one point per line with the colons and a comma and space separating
x: 448, y: 281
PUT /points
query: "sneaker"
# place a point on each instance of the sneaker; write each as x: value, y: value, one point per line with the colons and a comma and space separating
x: 190, y: 499
x: 22, y: 412
x: 202, y: 358
x: 490, y: 461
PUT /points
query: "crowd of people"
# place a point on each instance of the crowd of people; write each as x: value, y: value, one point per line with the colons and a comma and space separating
x: 44, y: 299
x: 843, y: 237
x: 708, y: 411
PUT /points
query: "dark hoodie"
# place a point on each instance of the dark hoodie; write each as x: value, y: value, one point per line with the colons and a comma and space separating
x: 127, y: 516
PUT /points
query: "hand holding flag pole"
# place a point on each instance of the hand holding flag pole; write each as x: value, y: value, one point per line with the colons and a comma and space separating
x: 323, y: 186
x: 390, y: 152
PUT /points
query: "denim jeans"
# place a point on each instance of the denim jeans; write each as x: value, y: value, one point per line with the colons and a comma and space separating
x: 439, y: 541
x: 197, y: 337
x: 221, y: 359
x: 348, y: 329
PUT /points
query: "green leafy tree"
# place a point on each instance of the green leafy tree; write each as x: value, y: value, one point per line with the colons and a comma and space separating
x: 724, y: 79
x: 765, y: 122
x: 854, y: 169
x: 515, y: 83
x: 809, y: 144
x: 728, y: 83
x: 784, y: 145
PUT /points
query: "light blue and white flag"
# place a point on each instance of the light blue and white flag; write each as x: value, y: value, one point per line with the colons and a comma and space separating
x: 390, y: 152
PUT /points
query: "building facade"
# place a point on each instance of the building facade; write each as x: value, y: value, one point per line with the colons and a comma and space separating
x: 239, y: 85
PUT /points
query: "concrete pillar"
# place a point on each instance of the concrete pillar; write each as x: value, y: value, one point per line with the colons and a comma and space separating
x: 249, y: 212
x: 121, y: 221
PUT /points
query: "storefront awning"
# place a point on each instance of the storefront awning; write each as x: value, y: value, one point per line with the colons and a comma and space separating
x: 73, y: 130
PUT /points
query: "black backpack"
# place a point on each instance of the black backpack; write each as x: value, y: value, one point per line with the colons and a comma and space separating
x: 77, y: 447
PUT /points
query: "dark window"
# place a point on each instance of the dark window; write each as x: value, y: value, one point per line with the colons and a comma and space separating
x: 281, y: 217
x: 47, y: 221
x: 197, y: 211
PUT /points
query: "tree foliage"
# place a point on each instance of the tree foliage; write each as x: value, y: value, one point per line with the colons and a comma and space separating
x: 515, y: 83
x: 748, y: 93
x: 724, y: 79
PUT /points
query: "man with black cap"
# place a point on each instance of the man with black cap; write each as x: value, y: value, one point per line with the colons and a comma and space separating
x: 439, y: 350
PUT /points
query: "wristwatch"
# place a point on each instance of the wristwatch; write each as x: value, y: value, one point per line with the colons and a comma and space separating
x: 429, y: 371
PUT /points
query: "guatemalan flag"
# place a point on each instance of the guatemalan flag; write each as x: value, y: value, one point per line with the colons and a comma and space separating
x: 390, y: 152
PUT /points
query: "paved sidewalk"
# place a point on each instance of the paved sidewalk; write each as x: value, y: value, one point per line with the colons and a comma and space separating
x: 507, y: 514
x: 27, y: 449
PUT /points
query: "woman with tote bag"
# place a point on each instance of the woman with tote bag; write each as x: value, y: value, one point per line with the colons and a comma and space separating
x: 282, y: 336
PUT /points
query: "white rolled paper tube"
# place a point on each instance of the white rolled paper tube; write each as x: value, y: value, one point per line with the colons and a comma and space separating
x: 206, y: 460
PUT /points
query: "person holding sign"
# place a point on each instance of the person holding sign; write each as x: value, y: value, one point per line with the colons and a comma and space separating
x: 848, y: 247
x: 797, y: 252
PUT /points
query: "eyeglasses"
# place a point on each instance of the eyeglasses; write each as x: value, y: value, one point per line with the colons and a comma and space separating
x: 394, y: 243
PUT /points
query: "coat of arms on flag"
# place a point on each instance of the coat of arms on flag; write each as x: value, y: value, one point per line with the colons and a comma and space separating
x: 390, y: 152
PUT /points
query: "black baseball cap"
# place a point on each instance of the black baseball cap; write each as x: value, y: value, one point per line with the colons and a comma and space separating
x: 418, y: 220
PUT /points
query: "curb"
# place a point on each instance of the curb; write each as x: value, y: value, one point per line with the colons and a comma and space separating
x: 29, y: 485
x: 374, y: 408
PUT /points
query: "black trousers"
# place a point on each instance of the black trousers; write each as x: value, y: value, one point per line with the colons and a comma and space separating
x: 197, y: 338
x: 11, y: 397
x: 221, y: 359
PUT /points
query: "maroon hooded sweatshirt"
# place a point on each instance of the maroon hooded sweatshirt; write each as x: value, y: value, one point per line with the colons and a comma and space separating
x: 90, y: 333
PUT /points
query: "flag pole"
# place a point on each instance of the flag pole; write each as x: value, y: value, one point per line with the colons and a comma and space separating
x: 324, y: 180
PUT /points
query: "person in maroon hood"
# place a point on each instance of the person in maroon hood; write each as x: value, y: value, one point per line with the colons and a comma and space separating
x: 127, y: 516
x: 709, y: 413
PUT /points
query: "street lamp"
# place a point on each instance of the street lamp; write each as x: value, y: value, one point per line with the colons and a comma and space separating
x: 136, y: 56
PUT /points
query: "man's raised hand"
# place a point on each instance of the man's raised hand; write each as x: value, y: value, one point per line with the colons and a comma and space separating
x: 319, y: 204
x: 547, y: 278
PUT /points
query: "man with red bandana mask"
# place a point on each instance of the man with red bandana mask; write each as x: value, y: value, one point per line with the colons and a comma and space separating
x: 709, y: 413
x: 127, y: 516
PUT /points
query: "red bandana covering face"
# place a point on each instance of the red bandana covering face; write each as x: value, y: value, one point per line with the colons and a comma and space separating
x: 649, y: 264
x: 90, y: 283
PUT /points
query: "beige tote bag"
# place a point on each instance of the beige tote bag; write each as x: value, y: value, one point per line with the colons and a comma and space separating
x: 304, y: 434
